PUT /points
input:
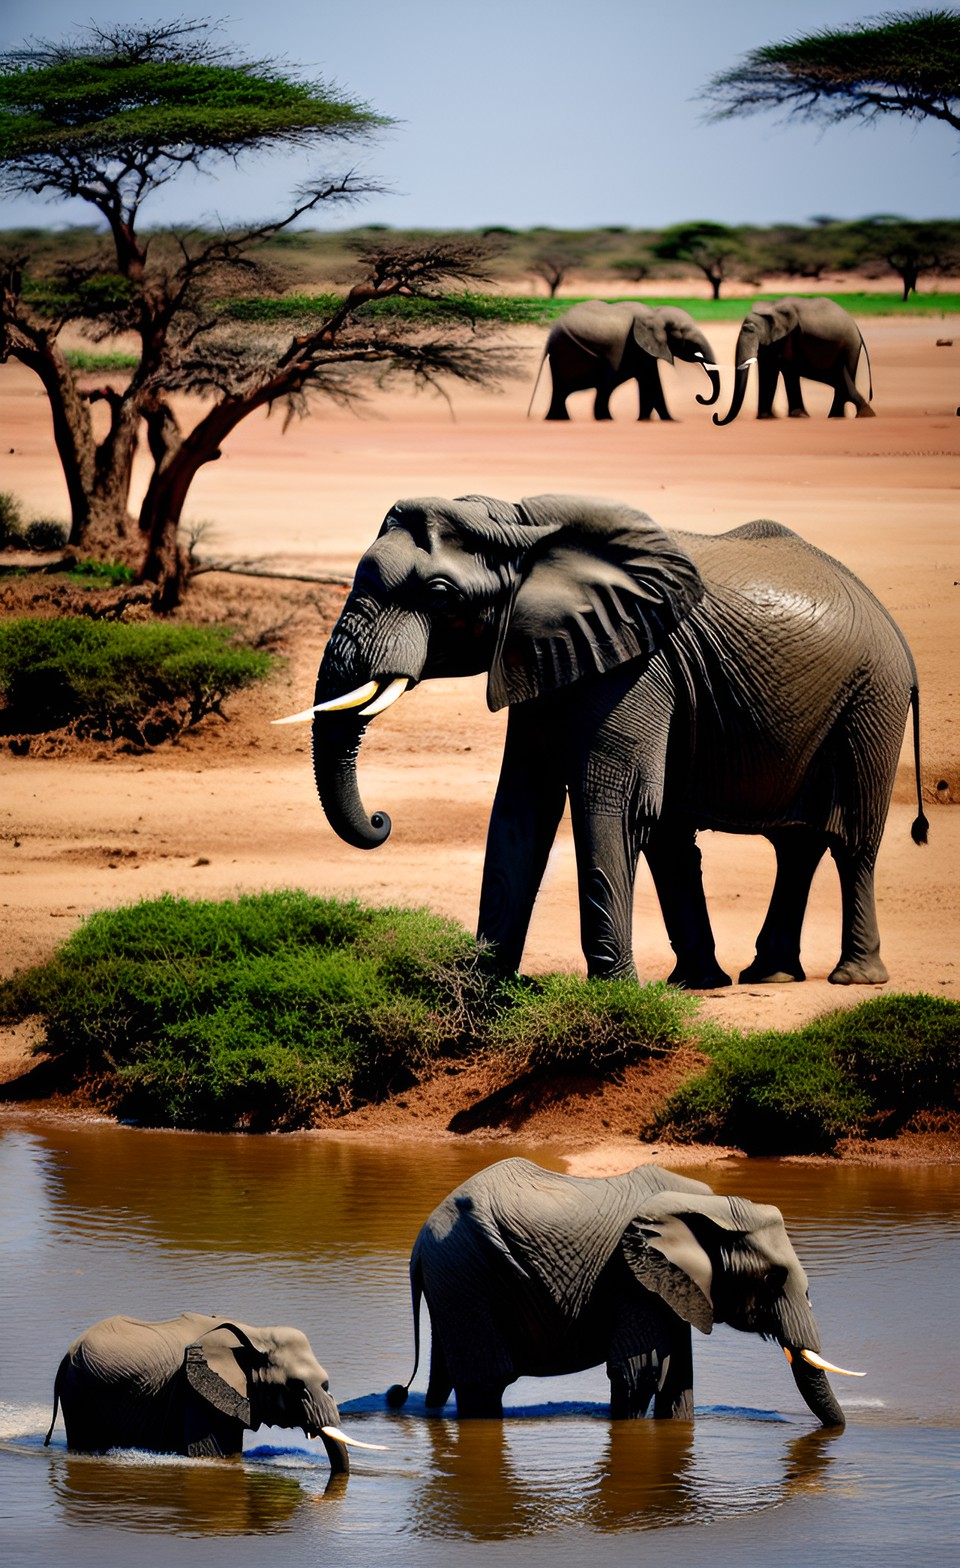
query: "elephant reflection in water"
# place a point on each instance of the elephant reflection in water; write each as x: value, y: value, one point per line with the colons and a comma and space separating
x: 487, y: 1481
x: 201, y: 1499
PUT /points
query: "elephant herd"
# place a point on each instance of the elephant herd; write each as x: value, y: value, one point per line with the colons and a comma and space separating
x: 598, y: 346
x: 525, y: 1273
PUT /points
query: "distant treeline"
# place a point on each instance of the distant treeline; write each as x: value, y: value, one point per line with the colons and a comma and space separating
x: 877, y: 248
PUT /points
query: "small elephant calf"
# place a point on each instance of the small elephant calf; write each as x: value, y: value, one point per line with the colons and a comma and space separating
x: 193, y: 1385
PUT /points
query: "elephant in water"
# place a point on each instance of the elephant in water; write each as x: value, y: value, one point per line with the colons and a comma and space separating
x: 599, y: 345
x: 193, y: 1385
x: 796, y: 338
x: 529, y: 1273
x: 665, y: 682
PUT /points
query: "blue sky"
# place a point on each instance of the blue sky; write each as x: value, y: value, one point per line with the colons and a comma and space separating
x: 527, y: 112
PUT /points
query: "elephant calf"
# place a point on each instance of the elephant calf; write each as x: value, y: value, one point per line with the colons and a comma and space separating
x: 192, y: 1385
x: 529, y: 1273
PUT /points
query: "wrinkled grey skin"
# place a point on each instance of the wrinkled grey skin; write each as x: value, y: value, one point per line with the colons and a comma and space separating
x: 665, y: 682
x: 190, y: 1385
x: 599, y: 345
x: 796, y: 338
x: 529, y: 1273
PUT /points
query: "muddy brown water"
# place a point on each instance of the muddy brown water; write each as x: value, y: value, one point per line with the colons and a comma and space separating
x: 316, y: 1231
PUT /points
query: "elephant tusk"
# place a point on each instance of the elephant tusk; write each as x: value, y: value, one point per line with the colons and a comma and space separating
x: 748, y: 362
x: 352, y: 699
x: 386, y: 698
x: 824, y: 1366
x: 339, y: 1436
x: 827, y: 1366
x: 706, y: 363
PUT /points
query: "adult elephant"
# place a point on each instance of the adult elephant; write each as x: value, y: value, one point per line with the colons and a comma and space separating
x: 796, y: 338
x: 529, y: 1273
x: 600, y: 345
x: 664, y: 681
x: 192, y: 1385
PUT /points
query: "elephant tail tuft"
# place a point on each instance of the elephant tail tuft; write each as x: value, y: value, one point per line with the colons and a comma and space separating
x: 397, y: 1395
x: 918, y: 829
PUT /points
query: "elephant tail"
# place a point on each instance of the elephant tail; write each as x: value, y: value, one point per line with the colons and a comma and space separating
x: 866, y: 354
x: 61, y: 1369
x: 918, y: 830
x: 397, y: 1392
x: 533, y: 394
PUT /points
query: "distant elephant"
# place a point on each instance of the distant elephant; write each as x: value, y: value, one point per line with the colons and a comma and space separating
x: 192, y: 1385
x: 601, y: 345
x: 666, y: 682
x: 795, y: 338
x: 529, y: 1273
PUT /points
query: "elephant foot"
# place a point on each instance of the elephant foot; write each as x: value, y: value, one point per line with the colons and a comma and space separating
x: 769, y: 414
x: 557, y: 414
x: 798, y: 413
x: 859, y: 971
x: 766, y: 972
x: 866, y: 412
x: 710, y: 977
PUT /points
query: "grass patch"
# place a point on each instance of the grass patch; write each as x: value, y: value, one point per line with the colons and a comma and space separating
x: 144, y: 682
x: 250, y: 1013
x: 89, y: 573
x: 87, y: 359
x: 868, y: 1070
x: 560, y: 1023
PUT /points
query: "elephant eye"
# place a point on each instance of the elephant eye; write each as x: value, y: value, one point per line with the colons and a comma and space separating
x: 442, y: 592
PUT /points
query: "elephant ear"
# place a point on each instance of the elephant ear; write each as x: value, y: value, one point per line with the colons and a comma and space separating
x: 650, y: 334
x: 601, y: 584
x: 673, y: 1248
x: 782, y: 319
x: 214, y: 1372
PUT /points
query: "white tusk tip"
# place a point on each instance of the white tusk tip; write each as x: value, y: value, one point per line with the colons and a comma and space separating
x: 296, y: 718
x: 339, y: 1436
x: 827, y: 1366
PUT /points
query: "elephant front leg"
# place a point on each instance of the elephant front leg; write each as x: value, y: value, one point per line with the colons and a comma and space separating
x: 777, y: 960
x: 606, y: 868
x: 675, y: 865
x: 523, y: 824
x: 860, y: 962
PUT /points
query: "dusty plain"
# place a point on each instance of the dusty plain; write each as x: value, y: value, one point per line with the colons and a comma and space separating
x: 232, y: 807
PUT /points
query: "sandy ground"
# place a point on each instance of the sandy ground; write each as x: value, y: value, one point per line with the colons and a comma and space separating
x: 233, y: 807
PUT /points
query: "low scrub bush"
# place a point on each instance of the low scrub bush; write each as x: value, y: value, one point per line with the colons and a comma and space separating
x: 144, y: 681
x: 251, y: 1012
x: 868, y: 1070
x: 11, y: 521
x: 562, y: 1023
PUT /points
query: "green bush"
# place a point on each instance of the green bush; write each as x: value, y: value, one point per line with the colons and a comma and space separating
x: 101, y: 574
x: 249, y: 1012
x: 869, y: 1069
x: 145, y: 681
x: 563, y: 1023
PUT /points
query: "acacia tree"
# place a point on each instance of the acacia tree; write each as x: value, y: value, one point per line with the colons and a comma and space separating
x: 112, y: 119
x: 903, y: 62
x: 715, y: 249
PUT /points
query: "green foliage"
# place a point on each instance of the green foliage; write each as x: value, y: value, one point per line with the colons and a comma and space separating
x: 101, y: 574
x: 251, y: 1012
x: 144, y: 681
x: 563, y: 1023
x: 905, y: 62
x: 867, y: 1069
x: 11, y: 521
x: 99, y: 364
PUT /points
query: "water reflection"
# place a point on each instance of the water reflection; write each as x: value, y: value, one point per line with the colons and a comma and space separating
x: 489, y: 1480
x: 188, y: 1498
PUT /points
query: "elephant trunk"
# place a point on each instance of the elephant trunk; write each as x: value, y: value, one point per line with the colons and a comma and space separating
x: 714, y: 376
x: 739, y: 392
x: 814, y: 1389
x: 336, y: 741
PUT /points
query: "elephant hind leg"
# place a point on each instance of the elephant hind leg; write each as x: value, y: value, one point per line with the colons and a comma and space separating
x: 860, y: 962
x: 799, y: 852
x: 675, y: 865
x: 440, y: 1385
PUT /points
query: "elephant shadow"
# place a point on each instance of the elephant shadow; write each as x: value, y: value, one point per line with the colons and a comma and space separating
x: 176, y: 1497
x: 500, y: 1480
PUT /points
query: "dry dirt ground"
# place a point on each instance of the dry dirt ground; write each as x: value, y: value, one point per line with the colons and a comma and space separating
x: 232, y: 807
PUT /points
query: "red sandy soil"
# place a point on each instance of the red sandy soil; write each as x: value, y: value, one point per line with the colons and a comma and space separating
x: 232, y: 807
